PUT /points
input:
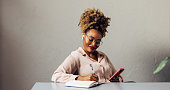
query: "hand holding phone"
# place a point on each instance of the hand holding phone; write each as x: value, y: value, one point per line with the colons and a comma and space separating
x: 116, y: 74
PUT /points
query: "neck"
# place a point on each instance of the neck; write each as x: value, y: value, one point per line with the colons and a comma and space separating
x: 90, y: 54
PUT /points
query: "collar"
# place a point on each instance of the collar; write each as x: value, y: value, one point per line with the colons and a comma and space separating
x: 100, y: 55
x: 80, y: 50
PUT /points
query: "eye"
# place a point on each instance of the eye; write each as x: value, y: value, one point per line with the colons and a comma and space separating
x: 90, y: 39
x: 97, y: 42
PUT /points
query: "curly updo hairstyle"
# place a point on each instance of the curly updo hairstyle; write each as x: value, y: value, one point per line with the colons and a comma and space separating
x: 94, y: 19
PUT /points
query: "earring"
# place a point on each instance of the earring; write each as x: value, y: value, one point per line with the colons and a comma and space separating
x: 82, y: 37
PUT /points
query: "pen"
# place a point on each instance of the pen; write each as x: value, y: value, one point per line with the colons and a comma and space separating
x: 92, y: 68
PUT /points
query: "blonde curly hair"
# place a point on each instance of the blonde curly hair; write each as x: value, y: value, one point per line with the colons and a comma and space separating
x: 94, y: 19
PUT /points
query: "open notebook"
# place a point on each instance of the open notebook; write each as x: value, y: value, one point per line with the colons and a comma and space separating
x: 81, y: 84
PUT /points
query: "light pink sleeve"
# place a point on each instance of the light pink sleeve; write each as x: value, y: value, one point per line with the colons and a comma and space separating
x: 114, y: 70
x: 66, y: 70
x: 111, y: 65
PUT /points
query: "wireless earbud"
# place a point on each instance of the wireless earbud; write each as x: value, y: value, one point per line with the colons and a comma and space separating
x: 82, y: 37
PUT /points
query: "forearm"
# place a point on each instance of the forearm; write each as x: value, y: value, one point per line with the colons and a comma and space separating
x: 62, y: 77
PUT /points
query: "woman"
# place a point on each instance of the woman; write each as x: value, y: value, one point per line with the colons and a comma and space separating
x: 87, y: 63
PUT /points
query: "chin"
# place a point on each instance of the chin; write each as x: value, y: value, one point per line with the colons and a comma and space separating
x: 91, y: 51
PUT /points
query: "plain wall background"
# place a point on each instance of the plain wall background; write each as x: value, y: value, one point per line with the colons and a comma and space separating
x: 37, y: 35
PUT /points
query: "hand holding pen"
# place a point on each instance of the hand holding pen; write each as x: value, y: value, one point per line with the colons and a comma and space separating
x: 90, y: 77
x: 93, y: 76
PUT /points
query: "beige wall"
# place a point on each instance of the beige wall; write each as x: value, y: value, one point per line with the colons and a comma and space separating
x: 37, y: 35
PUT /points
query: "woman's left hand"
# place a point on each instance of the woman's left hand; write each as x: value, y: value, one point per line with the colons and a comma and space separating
x: 120, y: 78
x: 117, y: 79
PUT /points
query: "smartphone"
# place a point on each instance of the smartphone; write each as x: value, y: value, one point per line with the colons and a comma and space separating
x: 117, y: 73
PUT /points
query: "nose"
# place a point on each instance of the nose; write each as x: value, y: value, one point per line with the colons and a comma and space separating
x: 94, y: 43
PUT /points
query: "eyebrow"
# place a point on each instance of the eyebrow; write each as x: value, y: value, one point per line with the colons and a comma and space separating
x: 93, y: 37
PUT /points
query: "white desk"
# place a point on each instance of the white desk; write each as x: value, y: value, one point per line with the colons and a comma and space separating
x: 106, y: 86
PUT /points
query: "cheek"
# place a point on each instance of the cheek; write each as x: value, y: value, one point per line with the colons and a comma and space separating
x: 85, y: 43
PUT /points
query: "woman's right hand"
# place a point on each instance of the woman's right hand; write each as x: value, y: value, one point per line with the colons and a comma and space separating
x: 90, y: 77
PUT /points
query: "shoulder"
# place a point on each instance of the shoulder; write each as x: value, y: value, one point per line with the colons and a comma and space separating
x: 76, y: 53
x: 72, y: 58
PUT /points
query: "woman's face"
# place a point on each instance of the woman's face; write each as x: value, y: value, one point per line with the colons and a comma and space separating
x: 91, y: 40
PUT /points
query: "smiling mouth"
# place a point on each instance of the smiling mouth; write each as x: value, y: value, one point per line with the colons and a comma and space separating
x: 92, y: 48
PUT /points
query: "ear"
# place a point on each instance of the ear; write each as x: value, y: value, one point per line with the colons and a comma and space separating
x: 83, y: 36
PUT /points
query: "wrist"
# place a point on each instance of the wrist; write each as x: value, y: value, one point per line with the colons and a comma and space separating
x: 80, y: 78
x: 76, y: 78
